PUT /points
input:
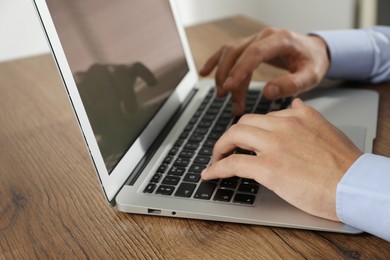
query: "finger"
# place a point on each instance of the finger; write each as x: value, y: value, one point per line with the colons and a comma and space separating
x: 258, y: 52
x: 211, y: 63
x: 296, y: 105
x: 266, y: 122
x: 244, y: 166
x: 291, y: 84
x: 228, y: 58
x: 239, y: 96
x: 240, y: 136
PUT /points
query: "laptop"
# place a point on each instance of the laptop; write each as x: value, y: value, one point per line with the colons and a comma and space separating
x: 150, y: 123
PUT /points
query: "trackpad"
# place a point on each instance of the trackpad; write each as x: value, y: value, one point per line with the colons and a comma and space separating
x: 357, y: 134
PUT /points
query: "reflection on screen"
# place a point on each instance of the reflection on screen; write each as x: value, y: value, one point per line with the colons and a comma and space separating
x: 126, y: 58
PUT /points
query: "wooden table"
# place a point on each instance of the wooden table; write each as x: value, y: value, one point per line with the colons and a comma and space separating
x: 51, y: 204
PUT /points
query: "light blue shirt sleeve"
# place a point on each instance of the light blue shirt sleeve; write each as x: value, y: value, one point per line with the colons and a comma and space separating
x: 359, y: 55
x: 363, y: 195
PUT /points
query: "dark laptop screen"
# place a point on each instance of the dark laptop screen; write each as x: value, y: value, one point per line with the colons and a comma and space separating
x: 126, y: 58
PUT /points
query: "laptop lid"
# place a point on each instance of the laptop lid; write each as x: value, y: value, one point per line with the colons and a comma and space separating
x: 127, y: 68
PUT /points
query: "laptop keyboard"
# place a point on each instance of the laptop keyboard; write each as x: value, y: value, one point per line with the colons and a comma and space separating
x: 179, y: 173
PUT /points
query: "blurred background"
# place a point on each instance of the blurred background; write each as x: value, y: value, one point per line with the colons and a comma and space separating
x: 21, y: 34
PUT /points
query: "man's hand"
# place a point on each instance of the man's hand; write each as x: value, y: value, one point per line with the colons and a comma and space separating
x: 299, y: 155
x: 304, y: 56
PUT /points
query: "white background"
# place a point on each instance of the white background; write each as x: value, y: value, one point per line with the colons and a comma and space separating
x: 21, y: 34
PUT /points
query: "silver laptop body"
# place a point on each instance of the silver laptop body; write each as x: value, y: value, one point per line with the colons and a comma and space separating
x: 127, y: 68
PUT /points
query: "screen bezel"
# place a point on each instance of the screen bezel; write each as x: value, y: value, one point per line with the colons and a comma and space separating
x: 112, y: 182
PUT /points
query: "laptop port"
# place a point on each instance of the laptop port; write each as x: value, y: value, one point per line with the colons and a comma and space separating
x: 154, y: 211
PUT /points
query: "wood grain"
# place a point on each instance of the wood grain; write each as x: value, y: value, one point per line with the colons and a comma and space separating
x: 52, y: 207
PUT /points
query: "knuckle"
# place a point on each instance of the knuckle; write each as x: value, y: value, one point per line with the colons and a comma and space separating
x: 290, y: 123
x: 233, y: 131
x: 269, y: 30
x: 246, y: 118
x: 287, y: 34
x: 288, y: 38
x: 253, y: 50
x: 254, y: 54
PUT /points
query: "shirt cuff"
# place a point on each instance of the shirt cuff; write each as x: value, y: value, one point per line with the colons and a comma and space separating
x: 363, y: 195
x: 351, y: 54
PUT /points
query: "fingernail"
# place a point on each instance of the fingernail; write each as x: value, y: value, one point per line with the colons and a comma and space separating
x: 273, y: 91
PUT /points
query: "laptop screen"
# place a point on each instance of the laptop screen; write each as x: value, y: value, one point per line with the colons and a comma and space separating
x: 126, y: 58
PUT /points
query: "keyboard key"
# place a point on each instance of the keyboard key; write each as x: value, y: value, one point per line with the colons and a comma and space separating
x: 208, y: 117
x: 204, y: 160
x: 177, y: 171
x: 156, y: 177
x: 173, y: 151
x: 212, y: 111
x: 186, y: 154
x: 185, y: 190
x: 162, y: 168
x: 192, y: 177
x: 198, y: 113
x: 189, y: 127
x: 201, y: 131
x: 165, y: 190
x: 244, y: 199
x: 249, y: 181
x: 252, y: 95
x: 150, y: 188
x: 219, y: 128
x: 196, y: 138
x: 183, y: 162
x: 216, y: 181
x: 191, y: 146
x: 223, y: 195
x: 197, y: 168
x: 206, y: 151
x: 179, y: 143
x: 230, y: 183
x: 193, y: 120
x: 171, y: 180
x: 214, y: 135
x: 209, y: 143
x: 184, y: 135
x: 168, y: 159
x: 216, y: 105
x: 248, y: 188
x: 224, y: 122
x: 205, y: 124
x: 205, y: 190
